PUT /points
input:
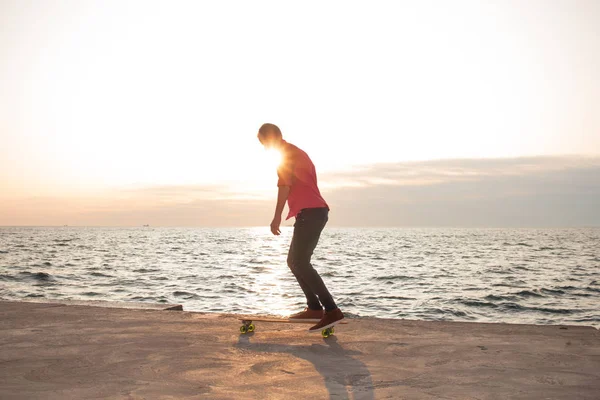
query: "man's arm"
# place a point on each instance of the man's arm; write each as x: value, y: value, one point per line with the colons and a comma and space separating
x: 282, y: 195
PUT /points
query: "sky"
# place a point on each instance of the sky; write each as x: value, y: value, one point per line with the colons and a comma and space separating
x: 431, y: 113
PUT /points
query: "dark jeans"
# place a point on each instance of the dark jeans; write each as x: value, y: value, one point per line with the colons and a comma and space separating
x: 307, y: 230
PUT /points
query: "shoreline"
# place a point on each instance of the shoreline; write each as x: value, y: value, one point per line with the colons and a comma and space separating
x: 138, y: 305
x: 181, y: 307
x: 58, y: 351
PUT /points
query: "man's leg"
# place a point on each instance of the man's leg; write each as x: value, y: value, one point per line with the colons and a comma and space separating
x: 312, y: 301
x: 307, y: 232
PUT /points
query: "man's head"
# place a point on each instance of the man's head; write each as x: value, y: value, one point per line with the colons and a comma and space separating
x: 269, y: 136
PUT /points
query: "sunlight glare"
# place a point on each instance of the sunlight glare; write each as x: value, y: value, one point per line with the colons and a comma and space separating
x: 274, y: 158
x: 274, y: 280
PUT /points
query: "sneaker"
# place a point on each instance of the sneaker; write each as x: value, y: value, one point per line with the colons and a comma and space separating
x: 330, y: 319
x: 307, y: 315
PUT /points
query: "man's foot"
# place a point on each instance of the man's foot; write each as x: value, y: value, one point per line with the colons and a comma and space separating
x: 330, y: 319
x: 307, y: 315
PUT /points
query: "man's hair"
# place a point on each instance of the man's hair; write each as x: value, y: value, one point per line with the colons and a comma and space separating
x: 269, y: 129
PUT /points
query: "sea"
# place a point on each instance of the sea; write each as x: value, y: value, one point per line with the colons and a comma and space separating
x: 533, y: 276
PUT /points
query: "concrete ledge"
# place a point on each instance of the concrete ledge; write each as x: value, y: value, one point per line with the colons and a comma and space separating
x: 57, y: 351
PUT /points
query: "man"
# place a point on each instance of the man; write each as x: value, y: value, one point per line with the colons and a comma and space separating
x: 298, y: 186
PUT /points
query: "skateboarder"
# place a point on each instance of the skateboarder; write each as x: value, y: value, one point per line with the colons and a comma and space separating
x: 298, y: 186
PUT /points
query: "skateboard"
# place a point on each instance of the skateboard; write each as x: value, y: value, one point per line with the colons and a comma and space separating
x: 248, y: 324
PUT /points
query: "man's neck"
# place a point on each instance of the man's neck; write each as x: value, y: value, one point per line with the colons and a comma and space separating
x: 280, y: 145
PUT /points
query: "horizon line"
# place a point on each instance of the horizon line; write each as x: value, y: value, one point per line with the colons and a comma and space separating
x: 331, y: 226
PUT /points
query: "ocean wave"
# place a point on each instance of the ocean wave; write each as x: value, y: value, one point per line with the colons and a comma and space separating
x: 92, y: 294
x: 65, y: 240
x: 552, y: 291
x: 6, y: 277
x: 186, y: 277
x: 522, y: 268
x: 100, y: 274
x: 582, y: 294
x: 393, y: 278
x: 529, y: 293
x: 377, y: 258
x: 209, y: 296
x: 507, y: 285
x: 146, y: 270
x: 345, y: 303
x: 259, y: 268
x: 477, y: 303
x: 185, y: 295
x: 447, y: 311
x: 232, y: 286
x: 499, y: 269
x: 257, y: 261
x: 38, y: 276
x: 384, y: 297
x: 493, y: 297
x: 523, y: 308
x: 517, y: 244
x: 588, y: 319
x: 348, y: 314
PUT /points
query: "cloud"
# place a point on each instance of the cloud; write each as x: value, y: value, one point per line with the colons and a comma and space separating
x: 533, y: 192
x: 456, y: 170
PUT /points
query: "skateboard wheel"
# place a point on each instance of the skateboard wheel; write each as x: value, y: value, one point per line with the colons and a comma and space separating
x: 327, y: 332
x: 251, y: 328
x: 243, y: 329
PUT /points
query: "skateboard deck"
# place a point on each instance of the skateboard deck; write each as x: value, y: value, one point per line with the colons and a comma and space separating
x: 248, y: 324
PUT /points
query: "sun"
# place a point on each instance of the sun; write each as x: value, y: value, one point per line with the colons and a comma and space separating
x: 273, y: 158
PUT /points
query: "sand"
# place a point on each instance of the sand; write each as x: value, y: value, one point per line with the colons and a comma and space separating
x: 58, y: 351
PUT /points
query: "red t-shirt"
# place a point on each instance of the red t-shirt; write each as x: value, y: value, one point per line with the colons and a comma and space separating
x: 298, y: 172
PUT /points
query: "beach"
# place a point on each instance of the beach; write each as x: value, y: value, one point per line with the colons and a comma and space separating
x: 69, y: 351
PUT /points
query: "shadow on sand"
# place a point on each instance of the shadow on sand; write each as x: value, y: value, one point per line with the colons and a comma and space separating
x: 345, y: 377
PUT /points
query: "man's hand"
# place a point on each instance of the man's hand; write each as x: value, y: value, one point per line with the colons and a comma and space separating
x: 275, y: 226
x: 282, y: 194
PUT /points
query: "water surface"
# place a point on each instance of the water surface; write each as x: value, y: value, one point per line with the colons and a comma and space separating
x: 541, y: 276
